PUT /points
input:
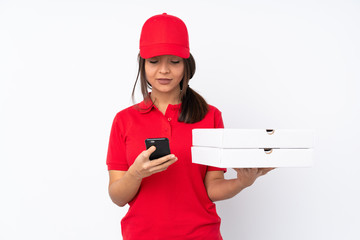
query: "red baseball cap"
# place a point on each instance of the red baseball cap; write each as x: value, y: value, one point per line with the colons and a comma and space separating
x: 164, y: 35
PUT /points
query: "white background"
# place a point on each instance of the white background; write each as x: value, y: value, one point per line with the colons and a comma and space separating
x: 67, y: 67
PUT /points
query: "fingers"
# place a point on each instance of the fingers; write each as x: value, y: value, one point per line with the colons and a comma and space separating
x: 163, y: 166
x: 144, y: 167
x: 253, y: 171
x: 265, y: 170
x: 247, y: 170
x: 163, y: 160
x: 247, y: 176
x: 158, y: 165
x: 148, y: 152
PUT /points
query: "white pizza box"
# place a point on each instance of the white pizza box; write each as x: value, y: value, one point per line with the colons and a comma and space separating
x: 252, y: 158
x: 253, y: 138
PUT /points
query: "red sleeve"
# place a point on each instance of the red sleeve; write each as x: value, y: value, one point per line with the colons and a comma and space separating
x: 116, y: 156
x: 218, y: 123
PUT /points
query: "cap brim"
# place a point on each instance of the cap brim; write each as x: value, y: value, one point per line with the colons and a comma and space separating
x: 164, y: 49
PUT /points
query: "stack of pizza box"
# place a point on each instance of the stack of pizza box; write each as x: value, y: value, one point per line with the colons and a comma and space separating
x: 252, y: 148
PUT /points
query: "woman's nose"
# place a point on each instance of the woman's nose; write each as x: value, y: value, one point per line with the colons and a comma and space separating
x: 164, y: 68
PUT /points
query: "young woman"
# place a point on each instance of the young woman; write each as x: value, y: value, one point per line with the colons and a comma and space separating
x: 169, y: 197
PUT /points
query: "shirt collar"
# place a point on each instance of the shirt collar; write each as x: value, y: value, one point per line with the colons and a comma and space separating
x: 147, y: 105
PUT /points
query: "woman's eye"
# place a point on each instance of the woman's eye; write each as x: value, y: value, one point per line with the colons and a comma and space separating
x: 153, y: 61
x: 175, y: 62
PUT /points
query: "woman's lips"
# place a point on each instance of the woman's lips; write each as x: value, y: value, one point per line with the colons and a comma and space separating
x: 164, y: 81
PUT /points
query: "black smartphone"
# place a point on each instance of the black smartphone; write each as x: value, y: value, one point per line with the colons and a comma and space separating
x: 162, y: 147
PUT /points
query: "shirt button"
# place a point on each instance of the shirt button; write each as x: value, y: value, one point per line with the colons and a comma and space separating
x: 169, y: 119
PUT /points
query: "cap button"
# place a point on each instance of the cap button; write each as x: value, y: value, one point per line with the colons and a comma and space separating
x: 164, y: 14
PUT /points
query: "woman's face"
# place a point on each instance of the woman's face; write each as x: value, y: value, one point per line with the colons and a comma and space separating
x: 164, y: 73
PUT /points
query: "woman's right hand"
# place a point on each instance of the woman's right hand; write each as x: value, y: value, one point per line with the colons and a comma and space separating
x: 143, y: 167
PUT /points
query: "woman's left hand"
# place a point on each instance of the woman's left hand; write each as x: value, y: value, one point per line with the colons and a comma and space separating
x: 247, y: 176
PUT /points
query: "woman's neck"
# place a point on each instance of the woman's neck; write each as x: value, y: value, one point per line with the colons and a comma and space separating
x: 162, y: 100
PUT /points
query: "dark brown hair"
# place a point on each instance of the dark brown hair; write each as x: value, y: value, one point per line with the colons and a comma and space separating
x: 193, y: 107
